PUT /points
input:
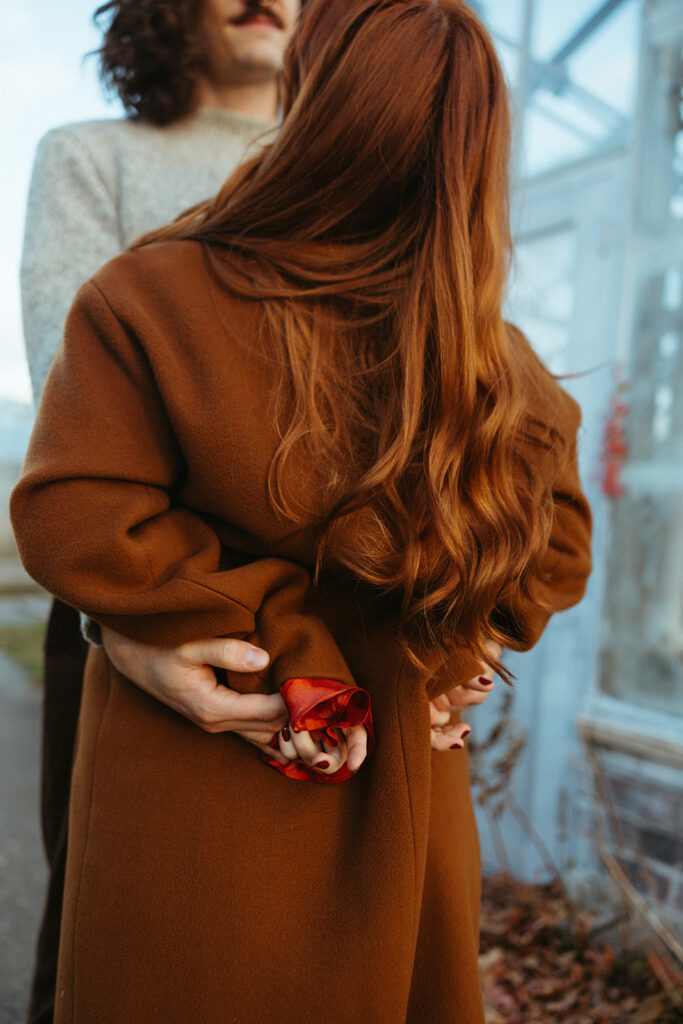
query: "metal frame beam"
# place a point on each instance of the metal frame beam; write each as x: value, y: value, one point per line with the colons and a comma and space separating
x: 585, y: 31
x: 552, y: 74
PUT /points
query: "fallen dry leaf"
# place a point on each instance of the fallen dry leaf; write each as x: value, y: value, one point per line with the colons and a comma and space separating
x: 539, y: 966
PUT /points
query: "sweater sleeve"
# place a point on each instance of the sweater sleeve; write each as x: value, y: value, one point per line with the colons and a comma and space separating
x: 97, y: 523
x: 71, y: 230
x: 559, y: 579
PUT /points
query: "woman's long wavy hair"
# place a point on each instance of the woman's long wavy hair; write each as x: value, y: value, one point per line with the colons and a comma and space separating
x: 375, y: 231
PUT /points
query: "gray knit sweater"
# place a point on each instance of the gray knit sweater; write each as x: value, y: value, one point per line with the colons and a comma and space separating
x: 99, y: 185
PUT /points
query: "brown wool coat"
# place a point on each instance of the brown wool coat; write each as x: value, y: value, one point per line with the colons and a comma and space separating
x: 202, y: 886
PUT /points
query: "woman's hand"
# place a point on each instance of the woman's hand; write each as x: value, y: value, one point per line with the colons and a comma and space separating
x: 183, y: 678
x: 313, y: 749
x: 447, y: 736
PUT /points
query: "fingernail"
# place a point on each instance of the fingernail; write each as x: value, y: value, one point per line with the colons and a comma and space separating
x: 255, y: 658
x: 285, y: 734
x: 466, y: 732
x: 457, y: 746
x: 485, y: 682
x: 322, y: 765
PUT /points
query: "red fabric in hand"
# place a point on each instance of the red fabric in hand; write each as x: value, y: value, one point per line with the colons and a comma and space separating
x: 323, y: 705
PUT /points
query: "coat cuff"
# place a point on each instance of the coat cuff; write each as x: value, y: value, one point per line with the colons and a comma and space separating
x: 323, y: 705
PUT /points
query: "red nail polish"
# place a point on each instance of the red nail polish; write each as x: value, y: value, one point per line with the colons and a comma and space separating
x: 485, y: 682
x: 322, y: 765
x: 285, y: 734
x: 457, y: 746
x: 466, y: 732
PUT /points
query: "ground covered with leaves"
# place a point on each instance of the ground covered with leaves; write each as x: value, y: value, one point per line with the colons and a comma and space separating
x: 542, y: 962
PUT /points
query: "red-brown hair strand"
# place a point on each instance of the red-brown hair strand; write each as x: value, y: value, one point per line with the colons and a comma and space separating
x: 375, y: 232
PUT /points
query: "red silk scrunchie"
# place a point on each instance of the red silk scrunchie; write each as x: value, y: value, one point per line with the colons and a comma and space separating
x: 323, y: 704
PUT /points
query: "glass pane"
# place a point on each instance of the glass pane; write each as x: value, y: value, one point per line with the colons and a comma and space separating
x: 542, y: 292
x: 582, y: 104
x: 662, y: 202
x: 577, y: 104
x: 643, y: 654
x: 550, y: 140
x: 503, y: 16
x: 555, y: 23
x: 509, y: 58
x: 643, y: 657
x: 655, y: 424
x: 607, y: 63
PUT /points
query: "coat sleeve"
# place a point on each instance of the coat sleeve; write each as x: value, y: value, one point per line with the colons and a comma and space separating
x: 97, y: 524
x: 71, y: 230
x: 559, y: 579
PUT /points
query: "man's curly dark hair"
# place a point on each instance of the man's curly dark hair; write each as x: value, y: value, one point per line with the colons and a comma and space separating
x: 152, y: 55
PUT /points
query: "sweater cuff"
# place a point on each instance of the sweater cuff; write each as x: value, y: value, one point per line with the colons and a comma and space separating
x: 91, y: 631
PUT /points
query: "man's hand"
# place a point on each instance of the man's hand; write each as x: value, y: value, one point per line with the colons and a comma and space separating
x: 183, y: 678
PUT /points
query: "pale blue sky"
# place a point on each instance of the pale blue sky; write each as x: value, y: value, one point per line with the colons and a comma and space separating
x: 44, y: 81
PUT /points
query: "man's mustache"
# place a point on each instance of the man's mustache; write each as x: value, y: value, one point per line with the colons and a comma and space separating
x: 257, y: 8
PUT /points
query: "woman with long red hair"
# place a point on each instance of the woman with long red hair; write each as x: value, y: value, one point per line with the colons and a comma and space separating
x: 320, y: 435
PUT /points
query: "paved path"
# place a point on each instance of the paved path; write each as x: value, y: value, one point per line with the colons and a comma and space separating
x: 22, y: 869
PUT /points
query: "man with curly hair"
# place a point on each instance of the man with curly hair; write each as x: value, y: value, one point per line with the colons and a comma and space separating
x: 199, y: 80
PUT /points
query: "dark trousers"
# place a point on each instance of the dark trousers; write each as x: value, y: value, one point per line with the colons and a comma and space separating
x: 65, y: 652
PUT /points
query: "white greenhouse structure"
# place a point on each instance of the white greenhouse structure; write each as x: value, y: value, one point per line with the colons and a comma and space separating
x: 598, y: 287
